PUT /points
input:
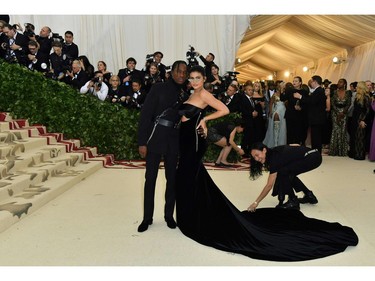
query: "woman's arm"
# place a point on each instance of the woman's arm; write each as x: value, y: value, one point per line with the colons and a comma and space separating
x: 233, y: 144
x: 270, y: 182
x: 220, y: 107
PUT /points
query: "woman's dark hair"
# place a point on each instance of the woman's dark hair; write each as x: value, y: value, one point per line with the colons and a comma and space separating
x: 215, y: 65
x: 131, y: 59
x: 197, y: 68
x: 345, y: 83
x: 85, y: 60
x: 256, y: 168
x: 299, y: 78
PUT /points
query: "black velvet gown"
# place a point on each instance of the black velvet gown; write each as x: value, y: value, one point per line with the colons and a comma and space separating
x: 205, y: 215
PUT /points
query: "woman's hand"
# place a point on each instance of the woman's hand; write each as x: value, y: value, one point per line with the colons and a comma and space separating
x: 202, y: 128
x: 362, y: 124
x: 252, y: 207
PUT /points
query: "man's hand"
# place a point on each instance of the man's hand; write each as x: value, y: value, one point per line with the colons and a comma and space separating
x: 142, y: 151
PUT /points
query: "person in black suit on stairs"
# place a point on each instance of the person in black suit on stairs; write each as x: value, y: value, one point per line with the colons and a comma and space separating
x: 158, y: 137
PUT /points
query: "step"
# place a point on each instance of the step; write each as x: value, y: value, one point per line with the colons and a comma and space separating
x: 36, y: 166
x: 37, y: 173
x: 4, y: 126
x: 35, y: 196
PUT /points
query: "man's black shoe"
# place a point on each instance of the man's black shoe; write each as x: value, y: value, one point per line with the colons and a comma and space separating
x: 171, y: 223
x: 308, y: 198
x: 144, y: 225
x: 292, y: 203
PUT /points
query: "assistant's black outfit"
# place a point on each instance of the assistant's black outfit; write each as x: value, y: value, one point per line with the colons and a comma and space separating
x: 289, y: 162
x: 205, y: 215
x: 158, y: 130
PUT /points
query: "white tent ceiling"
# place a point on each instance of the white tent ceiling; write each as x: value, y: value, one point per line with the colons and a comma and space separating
x: 275, y: 43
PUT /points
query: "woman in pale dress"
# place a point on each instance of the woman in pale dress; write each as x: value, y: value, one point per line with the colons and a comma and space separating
x: 276, y: 130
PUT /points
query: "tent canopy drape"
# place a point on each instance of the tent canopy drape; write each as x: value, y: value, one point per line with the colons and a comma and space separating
x: 278, y: 43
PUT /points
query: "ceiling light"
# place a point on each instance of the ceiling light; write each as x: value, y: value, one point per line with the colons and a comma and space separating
x: 337, y: 60
x: 286, y: 73
x: 305, y: 69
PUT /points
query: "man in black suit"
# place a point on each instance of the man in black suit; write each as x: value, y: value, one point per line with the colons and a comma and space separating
x: 77, y: 77
x: 248, y: 110
x: 16, y: 46
x: 36, y: 60
x: 295, y: 114
x: 3, y: 40
x: 230, y: 98
x: 316, y: 110
x: 44, y: 40
x: 129, y: 73
x: 69, y: 48
x: 158, y: 136
x: 208, y: 62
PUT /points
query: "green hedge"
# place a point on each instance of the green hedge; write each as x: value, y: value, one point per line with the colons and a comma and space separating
x: 110, y: 128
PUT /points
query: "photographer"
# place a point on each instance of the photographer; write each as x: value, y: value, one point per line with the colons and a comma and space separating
x: 129, y: 73
x: 156, y: 57
x: 3, y: 40
x: 15, y: 46
x: 191, y: 56
x: 116, y: 92
x: 44, y: 40
x: 217, y: 82
x: 136, y: 97
x: 37, y: 61
x: 59, y: 62
x: 96, y: 87
x: 77, y: 77
x: 152, y: 76
x: 29, y: 31
x: 208, y: 62
x: 70, y: 49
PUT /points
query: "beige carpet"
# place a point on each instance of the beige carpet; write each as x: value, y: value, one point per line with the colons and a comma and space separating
x: 95, y: 222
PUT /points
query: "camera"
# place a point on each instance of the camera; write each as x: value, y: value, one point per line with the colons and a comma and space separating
x: 191, y: 56
x: 29, y: 30
x: 97, y: 82
x: 57, y: 38
x: 230, y: 76
x: 4, y: 45
x: 150, y: 57
x: 168, y: 68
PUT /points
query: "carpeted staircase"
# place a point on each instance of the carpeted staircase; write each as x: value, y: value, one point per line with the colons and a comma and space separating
x: 37, y: 166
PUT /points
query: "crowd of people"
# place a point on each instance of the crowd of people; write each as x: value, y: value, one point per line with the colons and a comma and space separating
x: 326, y: 116
x: 176, y: 108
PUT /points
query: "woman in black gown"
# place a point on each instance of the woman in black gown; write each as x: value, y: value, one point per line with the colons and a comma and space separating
x: 205, y: 215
